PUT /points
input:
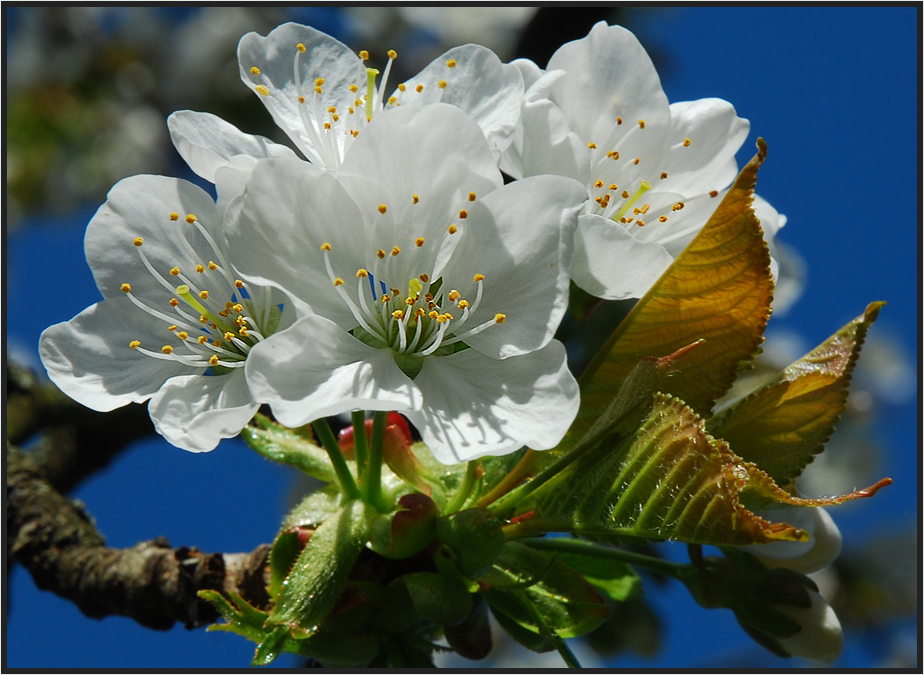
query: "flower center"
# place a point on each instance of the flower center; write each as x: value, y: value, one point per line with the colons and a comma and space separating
x: 214, y: 318
x: 419, y: 317
x: 331, y: 120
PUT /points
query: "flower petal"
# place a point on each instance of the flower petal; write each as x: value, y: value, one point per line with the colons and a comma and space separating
x: 274, y: 58
x: 479, y: 84
x: 315, y: 369
x: 141, y: 206
x: 194, y: 412
x: 475, y: 406
x: 609, y: 75
x: 89, y: 359
x: 207, y: 142
x: 276, y: 229
x: 521, y: 240
x: 545, y: 144
x: 708, y: 162
x: 610, y: 263
x: 802, y: 556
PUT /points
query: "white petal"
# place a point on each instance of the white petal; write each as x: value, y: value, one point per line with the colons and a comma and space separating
x: 436, y: 152
x: 315, y: 369
x: 140, y: 206
x: 288, y: 210
x: 489, y: 91
x: 821, y: 637
x: 708, y: 163
x: 207, y: 142
x: 89, y: 359
x: 529, y: 71
x: 324, y: 57
x: 609, y: 75
x: 545, y: 144
x: 522, y: 243
x: 802, y: 556
x: 194, y: 412
x: 610, y: 263
x: 476, y: 406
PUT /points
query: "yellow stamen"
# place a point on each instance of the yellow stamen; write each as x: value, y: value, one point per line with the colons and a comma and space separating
x: 500, y: 318
x: 463, y: 213
x: 452, y: 229
x: 182, y: 335
x: 319, y: 82
x: 618, y: 121
x: 686, y: 142
x: 202, y: 339
x: 592, y: 145
x: 415, y: 198
x: 398, y: 314
x: 641, y: 124
x: 191, y: 218
x: 419, y: 242
x: 451, y: 63
x: 381, y: 254
x: 138, y: 241
x: 663, y: 219
x: 134, y: 344
x: 239, y: 283
x: 174, y: 216
x: 167, y: 349
x: 441, y: 84
x: 478, y: 277
x: 213, y: 360
x: 300, y: 47
x: 338, y: 281
x: 472, y: 196
x: 325, y: 246
x: 212, y: 265
x: 402, y: 87
x: 126, y: 288
x: 175, y: 271
x: 200, y: 269
x: 395, y: 251
x: 171, y: 328
x: 419, y: 88
x: 204, y: 295
x: 454, y: 295
x: 364, y: 55
x: 362, y: 273
x: 677, y: 206
x: 260, y: 89
x: 463, y: 304
x: 255, y: 71
x: 392, y: 54
x: 382, y: 207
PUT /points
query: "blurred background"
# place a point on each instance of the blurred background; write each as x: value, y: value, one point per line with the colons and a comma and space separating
x: 834, y: 91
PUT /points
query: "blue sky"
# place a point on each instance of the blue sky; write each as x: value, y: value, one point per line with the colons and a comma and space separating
x: 835, y: 93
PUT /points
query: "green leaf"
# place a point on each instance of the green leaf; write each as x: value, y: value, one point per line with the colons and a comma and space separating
x: 718, y: 289
x: 524, y: 583
x: 783, y: 425
x: 242, y: 618
x: 475, y: 538
x: 471, y: 639
x: 437, y: 598
x: 322, y: 570
x: 617, y: 579
x: 405, y: 532
x: 281, y: 444
x: 669, y: 480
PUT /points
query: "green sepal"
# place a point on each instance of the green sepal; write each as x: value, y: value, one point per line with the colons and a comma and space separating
x: 528, y: 638
x: 284, y: 445
x: 471, y: 639
x: 617, y: 579
x: 405, y: 532
x: 271, y: 646
x: 322, y: 570
x: 475, y: 538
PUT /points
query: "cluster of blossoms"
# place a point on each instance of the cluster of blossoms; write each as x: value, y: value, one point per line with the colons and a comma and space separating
x: 385, y: 265
x: 393, y: 270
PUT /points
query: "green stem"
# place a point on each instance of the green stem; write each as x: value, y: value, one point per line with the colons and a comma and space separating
x: 465, y: 489
x: 347, y: 484
x: 373, y: 483
x: 360, y: 442
x: 557, y: 641
x: 666, y: 567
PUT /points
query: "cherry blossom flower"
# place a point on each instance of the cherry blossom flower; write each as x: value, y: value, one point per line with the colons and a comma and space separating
x: 323, y: 95
x: 423, y: 284
x: 654, y: 171
x: 176, y: 324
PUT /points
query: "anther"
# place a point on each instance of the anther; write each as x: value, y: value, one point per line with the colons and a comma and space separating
x: 613, y: 186
x: 419, y: 88
x: 126, y: 288
x: 452, y: 229
x: 301, y: 99
x: 463, y: 304
x: 454, y: 295
x: 134, y: 344
x: 612, y: 154
x: 174, y: 302
x: 636, y: 160
x: 382, y: 207
x: 254, y: 71
x: 419, y: 242
x: 441, y: 84
x: 598, y: 184
x: 686, y: 142
x: 319, y: 82
x: 381, y: 254
x: 182, y: 335
x: 238, y: 283
x: 478, y: 277
x: 640, y: 222
x: 200, y: 269
x: 263, y: 91
x: 238, y: 308
x: 228, y: 336
x: 663, y: 219
x: 395, y: 251
x: 325, y: 246
x: 415, y: 198
x: 174, y: 215
x: 361, y: 273
x: 392, y: 54
x: 433, y: 314
x: 171, y: 328
x: 213, y: 360
x: 398, y: 314
x: 592, y: 145
x: 300, y: 47
x: 338, y: 281
x: 500, y: 318
x: 625, y: 194
x: 138, y: 241
x: 191, y: 218
x: 714, y: 193
x: 641, y: 124
x: 202, y: 339
x: 392, y: 100
x: 402, y: 87
x: 451, y: 63
x: 677, y: 206
x: 364, y: 55
x: 424, y: 277
x: 663, y: 175
x: 618, y: 121
x: 167, y: 349
x: 463, y: 213
x: 472, y: 196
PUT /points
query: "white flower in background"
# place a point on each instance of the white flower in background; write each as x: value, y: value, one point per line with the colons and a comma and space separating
x: 423, y: 285
x: 820, y: 636
x: 802, y: 556
x: 176, y: 324
x: 654, y: 171
x: 323, y: 95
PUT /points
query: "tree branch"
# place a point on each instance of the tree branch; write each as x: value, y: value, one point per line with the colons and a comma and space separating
x: 56, y: 540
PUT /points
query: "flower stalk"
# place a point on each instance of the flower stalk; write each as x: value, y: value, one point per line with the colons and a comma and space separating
x: 344, y: 475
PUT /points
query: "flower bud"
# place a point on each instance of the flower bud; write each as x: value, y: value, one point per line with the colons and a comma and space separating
x: 802, y: 556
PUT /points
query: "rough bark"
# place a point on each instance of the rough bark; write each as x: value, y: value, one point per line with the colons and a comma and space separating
x: 154, y: 584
